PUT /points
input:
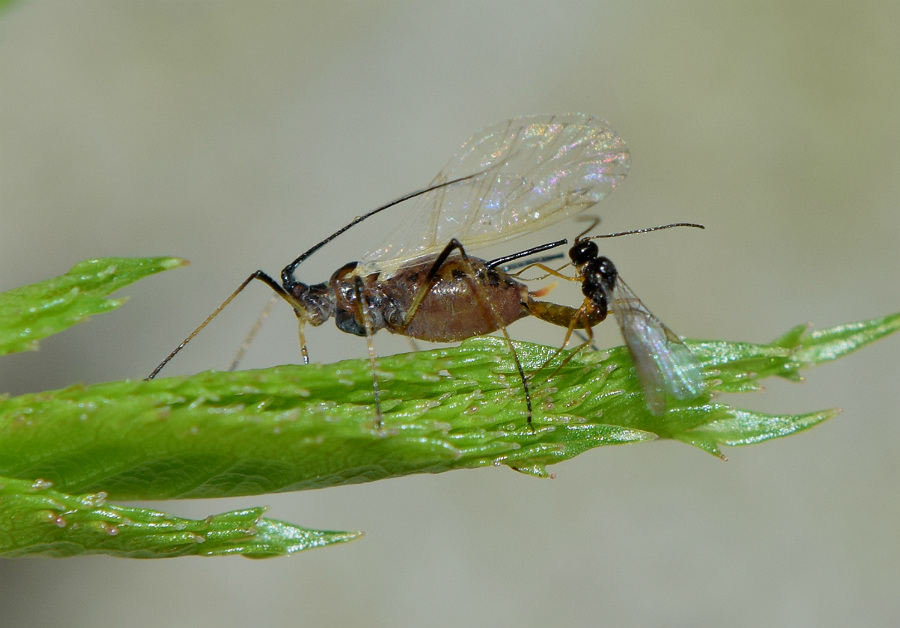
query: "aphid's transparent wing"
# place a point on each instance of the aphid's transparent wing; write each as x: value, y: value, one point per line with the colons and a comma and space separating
x: 664, y: 363
x: 535, y: 170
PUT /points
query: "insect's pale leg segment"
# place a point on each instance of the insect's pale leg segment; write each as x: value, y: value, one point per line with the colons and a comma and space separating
x: 364, y: 307
x: 257, y: 325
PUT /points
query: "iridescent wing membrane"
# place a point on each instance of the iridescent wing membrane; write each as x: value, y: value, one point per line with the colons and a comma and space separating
x: 529, y: 172
x: 664, y: 363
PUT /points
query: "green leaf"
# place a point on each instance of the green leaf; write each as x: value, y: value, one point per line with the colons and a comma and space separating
x: 33, y: 312
x: 301, y: 427
x: 39, y: 520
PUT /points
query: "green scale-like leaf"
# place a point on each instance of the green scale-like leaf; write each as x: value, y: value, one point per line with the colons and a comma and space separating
x: 30, y: 313
x: 40, y: 520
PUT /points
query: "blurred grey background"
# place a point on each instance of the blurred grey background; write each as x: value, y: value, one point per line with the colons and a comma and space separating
x: 237, y: 134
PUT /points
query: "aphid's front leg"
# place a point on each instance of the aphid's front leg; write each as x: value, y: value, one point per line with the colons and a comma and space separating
x: 301, y: 335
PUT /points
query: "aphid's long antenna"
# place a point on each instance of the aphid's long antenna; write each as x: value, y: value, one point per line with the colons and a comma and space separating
x: 502, y: 261
x: 287, y: 275
x: 525, y: 263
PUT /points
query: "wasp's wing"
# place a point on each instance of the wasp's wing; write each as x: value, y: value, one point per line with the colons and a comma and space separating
x: 664, y: 363
x: 534, y: 170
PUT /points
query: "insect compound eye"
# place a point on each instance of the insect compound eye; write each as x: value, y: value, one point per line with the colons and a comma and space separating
x: 583, y: 252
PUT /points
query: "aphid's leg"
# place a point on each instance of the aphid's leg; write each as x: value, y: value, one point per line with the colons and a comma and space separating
x: 413, y: 344
x: 431, y: 278
x: 301, y: 335
x: 261, y: 276
x: 484, y: 302
x: 364, y: 306
x: 253, y: 331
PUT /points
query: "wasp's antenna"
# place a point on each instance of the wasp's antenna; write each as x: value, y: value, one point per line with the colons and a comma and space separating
x: 644, y: 230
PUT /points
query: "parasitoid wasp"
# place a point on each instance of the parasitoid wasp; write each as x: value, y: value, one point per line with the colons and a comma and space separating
x: 664, y: 364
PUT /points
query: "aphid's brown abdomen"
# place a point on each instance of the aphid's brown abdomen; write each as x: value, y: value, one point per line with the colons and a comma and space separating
x: 464, y: 300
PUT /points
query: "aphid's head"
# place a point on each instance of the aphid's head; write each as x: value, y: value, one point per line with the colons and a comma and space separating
x: 583, y: 251
x: 313, y: 304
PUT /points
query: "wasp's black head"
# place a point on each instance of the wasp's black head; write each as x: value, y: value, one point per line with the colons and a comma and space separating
x: 583, y: 251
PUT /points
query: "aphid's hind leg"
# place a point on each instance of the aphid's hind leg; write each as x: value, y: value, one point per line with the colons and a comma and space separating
x: 413, y: 345
x: 261, y: 276
x: 364, y: 307
x: 487, y: 308
x: 248, y: 339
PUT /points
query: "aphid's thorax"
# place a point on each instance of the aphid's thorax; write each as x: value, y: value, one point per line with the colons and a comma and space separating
x: 346, y: 286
